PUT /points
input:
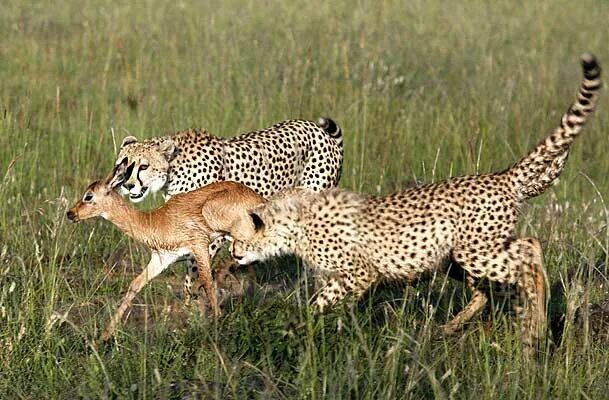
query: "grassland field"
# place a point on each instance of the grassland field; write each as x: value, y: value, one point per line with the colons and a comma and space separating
x: 423, y: 90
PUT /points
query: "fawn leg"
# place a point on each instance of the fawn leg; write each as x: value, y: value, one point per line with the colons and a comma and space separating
x: 205, y: 278
x: 158, y: 262
x: 192, y: 270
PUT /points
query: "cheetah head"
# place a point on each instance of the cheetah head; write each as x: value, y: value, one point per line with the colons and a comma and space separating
x: 267, y: 237
x: 150, y: 166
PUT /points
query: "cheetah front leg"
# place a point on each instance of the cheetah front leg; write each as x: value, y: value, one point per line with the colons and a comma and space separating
x: 191, y: 277
x: 224, y: 269
x: 333, y: 291
x: 354, y: 278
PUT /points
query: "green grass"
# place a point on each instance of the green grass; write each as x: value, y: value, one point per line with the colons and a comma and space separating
x: 422, y: 89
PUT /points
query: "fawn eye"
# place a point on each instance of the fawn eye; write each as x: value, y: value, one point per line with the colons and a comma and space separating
x: 88, y: 197
x: 143, y: 167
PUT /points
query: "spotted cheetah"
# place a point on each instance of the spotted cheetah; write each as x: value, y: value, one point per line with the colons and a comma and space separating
x: 354, y: 239
x: 290, y: 153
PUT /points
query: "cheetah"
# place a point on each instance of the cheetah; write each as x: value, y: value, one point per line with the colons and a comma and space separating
x: 353, y: 240
x: 290, y: 153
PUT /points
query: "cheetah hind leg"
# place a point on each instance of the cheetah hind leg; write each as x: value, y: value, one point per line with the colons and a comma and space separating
x: 532, y: 285
x: 478, y: 301
x: 517, y: 262
x: 525, y: 260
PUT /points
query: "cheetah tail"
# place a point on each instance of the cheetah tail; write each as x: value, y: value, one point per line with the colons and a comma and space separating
x: 331, y: 128
x: 541, y: 168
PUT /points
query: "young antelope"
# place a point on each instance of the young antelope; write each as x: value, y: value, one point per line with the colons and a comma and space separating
x: 185, y: 225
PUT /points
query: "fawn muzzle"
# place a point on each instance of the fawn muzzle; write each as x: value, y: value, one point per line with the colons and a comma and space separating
x: 72, y: 216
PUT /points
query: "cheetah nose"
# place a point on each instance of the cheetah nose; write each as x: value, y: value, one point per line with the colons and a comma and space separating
x: 129, y: 186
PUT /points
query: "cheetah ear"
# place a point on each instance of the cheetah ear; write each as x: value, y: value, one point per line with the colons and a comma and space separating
x: 257, y: 221
x: 119, y: 174
x: 167, y: 148
x: 128, y: 140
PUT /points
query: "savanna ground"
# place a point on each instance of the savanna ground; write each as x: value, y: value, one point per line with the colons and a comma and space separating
x: 424, y: 90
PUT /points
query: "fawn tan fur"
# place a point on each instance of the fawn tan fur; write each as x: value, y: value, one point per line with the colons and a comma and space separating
x: 185, y: 225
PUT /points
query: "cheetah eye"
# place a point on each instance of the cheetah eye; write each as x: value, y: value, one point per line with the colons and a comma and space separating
x: 143, y: 167
x: 88, y: 197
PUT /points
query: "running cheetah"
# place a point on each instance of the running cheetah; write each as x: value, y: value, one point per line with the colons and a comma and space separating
x: 354, y: 239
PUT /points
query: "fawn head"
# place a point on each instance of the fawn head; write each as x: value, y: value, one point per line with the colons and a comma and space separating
x: 99, y: 197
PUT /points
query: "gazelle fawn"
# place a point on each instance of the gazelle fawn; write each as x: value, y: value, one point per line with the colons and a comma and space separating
x: 185, y: 225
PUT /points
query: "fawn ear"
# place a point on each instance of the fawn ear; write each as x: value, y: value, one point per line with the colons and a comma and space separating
x: 257, y: 221
x: 128, y: 140
x: 168, y: 148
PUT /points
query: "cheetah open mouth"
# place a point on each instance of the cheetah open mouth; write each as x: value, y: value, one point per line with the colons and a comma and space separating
x: 138, y: 195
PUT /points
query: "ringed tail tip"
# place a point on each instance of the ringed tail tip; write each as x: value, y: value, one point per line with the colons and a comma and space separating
x: 330, y: 127
x: 591, y: 67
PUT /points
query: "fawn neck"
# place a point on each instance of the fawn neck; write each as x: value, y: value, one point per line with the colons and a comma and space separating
x: 143, y: 226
